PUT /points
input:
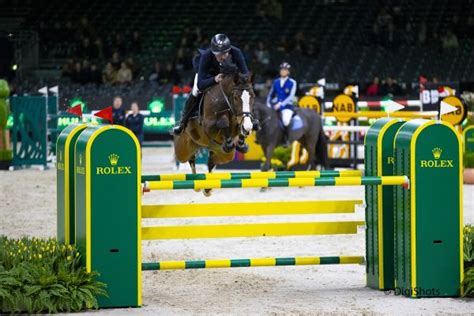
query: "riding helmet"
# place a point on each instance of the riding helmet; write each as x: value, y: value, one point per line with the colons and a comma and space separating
x: 285, y: 65
x: 220, y: 43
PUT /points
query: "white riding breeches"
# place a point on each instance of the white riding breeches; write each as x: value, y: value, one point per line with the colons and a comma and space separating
x: 195, y: 91
x: 286, y: 116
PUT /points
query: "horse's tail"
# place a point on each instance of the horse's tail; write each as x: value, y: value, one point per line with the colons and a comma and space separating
x: 322, y: 149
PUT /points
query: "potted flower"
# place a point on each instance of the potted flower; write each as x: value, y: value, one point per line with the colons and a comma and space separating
x: 469, y: 168
x: 6, y: 155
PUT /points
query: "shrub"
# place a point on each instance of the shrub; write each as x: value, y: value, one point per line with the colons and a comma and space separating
x: 41, y: 275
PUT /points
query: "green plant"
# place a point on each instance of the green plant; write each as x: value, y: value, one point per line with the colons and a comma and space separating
x: 283, y: 154
x: 468, y: 282
x: 468, y: 160
x: 468, y: 233
x: 41, y: 275
x: 5, y: 153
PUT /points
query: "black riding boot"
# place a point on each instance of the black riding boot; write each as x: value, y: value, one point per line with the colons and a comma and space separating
x: 286, y: 136
x: 185, y: 114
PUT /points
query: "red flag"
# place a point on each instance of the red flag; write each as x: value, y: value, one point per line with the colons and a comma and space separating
x: 106, y: 114
x: 176, y: 90
x: 187, y: 89
x: 76, y: 110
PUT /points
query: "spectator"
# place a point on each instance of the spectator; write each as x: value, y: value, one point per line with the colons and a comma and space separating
x: 136, y: 42
x: 86, y: 50
x: 390, y: 88
x: 109, y: 75
x: 124, y: 75
x: 170, y: 75
x: 116, y: 62
x: 76, y: 76
x: 68, y: 69
x: 86, y: 71
x: 134, y: 67
x: 95, y: 75
x: 300, y: 42
x: 157, y: 75
x: 422, y: 34
x: 99, y: 48
x: 181, y: 61
x: 134, y: 122
x: 119, y: 44
x: 449, y: 41
x: 118, y: 114
x: 262, y: 54
x: 282, y: 45
x: 85, y: 30
x: 373, y: 88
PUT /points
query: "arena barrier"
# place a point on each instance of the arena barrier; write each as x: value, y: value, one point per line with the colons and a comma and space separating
x: 405, y: 165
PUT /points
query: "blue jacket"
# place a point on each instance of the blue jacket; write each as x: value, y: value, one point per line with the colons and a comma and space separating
x: 209, y: 66
x: 284, y: 94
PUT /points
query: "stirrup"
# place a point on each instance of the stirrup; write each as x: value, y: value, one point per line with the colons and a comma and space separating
x: 178, y: 129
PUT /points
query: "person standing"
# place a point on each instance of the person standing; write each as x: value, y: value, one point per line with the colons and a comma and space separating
x: 134, y: 122
x: 118, y: 114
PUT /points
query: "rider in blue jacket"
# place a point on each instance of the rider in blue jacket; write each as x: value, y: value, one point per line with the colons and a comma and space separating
x: 207, y: 67
x: 282, y: 96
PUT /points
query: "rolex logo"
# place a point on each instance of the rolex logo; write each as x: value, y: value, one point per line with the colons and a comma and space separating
x: 437, y: 162
x: 437, y: 152
x: 113, y: 159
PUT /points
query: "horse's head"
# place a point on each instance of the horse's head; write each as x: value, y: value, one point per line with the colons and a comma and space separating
x: 243, y: 99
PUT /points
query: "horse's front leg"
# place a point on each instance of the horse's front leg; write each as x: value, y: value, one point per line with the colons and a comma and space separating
x: 228, y: 145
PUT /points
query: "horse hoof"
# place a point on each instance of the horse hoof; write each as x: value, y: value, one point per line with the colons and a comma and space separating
x: 227, y: 149
x: 197, y: 190
x: 207, y: 192
x: 264, y: 190
x: 243, y: 148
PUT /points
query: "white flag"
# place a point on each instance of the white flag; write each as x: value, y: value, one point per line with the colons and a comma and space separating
x: 43, y: 90
x: 54, y: 90
x: 322, y: 82
x: 355, y: 89
x: 446, y: 108
x: 392, y: 106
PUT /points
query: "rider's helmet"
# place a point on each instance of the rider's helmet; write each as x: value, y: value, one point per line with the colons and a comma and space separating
x: 220, y: 44
x: 285, y: 65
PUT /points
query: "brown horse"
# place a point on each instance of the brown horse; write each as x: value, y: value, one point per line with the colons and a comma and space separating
x: 223, y: 123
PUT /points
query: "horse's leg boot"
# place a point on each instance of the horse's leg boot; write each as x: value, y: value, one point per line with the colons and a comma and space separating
x: 185, y: 114
x: 242, y: 147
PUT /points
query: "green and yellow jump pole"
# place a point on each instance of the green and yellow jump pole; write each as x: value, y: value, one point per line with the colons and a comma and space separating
x: 254, y: 262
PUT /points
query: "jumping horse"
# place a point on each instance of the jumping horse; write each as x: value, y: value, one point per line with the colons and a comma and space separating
x: 223, y: 121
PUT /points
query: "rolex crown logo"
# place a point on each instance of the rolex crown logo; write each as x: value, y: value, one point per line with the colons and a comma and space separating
x: 113, y: 158
x: 437, y: 152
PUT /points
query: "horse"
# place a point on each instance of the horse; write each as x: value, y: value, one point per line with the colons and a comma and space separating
x: 308, y: 131
x: 223, y: 122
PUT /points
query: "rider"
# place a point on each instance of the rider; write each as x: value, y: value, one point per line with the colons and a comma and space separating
x: 281, y: 97
x: 207, y: 67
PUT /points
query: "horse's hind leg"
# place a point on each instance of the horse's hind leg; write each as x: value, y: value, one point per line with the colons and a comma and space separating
x: 210, y: 166
x: 192, y: 164
x: 310, y: 146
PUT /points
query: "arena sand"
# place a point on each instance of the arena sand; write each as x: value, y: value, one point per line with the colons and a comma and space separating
x: 28, y: 207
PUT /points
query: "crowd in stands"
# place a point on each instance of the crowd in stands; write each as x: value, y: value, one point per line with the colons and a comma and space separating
x: 112, y: 59
x: 391, y: 29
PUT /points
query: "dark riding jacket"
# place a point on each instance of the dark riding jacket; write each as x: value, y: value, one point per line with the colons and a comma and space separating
x: 209, y: 66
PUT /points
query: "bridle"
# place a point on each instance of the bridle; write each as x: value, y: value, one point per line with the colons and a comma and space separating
x: 230, y: 105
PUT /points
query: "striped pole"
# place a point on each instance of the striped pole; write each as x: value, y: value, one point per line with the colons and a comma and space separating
x: 255, y: 262
x: 252, y: 175
x: 267, y: 183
